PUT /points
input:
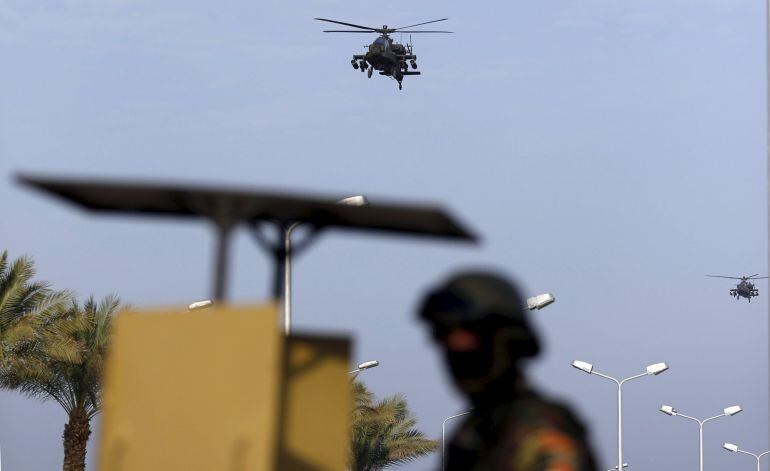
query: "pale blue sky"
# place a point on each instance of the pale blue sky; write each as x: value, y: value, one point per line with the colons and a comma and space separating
x: 610, y: 152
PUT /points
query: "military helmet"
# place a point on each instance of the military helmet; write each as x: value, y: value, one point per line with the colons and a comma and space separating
x: 484, y: 302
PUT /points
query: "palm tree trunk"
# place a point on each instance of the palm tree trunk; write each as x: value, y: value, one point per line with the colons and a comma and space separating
x: 76, y: 433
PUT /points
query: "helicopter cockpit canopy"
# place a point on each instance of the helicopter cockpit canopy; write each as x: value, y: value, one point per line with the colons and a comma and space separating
x: 379, y: 45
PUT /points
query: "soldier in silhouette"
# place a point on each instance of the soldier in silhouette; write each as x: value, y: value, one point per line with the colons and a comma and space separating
x: 479, y: 321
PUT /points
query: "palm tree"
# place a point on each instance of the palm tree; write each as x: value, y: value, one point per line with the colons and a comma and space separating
x: 64, y: 363
x: 383, y: 433
x: 22, y: 303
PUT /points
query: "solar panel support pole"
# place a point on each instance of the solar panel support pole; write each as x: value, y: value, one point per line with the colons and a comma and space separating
x: 221, y: 262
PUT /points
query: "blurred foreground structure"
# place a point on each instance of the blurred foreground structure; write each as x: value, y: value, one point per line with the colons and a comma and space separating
x: 223, y: 389
x: 225, y: 208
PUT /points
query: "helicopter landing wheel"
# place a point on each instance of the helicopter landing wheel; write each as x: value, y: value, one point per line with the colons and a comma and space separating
x: 399, y: 85
x: 369, y: 73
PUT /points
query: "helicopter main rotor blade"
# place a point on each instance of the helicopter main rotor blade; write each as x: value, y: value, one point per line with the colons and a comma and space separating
x: 424, y: 31
x: 755, y: 277
x: 347, y: 31
x: 419, y: 24
x: 347, y: 24
x: 752, y: 276
x: 728, y: 277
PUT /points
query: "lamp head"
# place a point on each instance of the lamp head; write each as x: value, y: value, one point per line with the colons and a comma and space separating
x: 732, y: 410
x: 668, y: 410
x: 657, y: 368
x: 540, y: 301
x: 583, y: 366
x: 200, y: 305
x: 730, y: 447
x: 358, y: 200
x: 368, y: 364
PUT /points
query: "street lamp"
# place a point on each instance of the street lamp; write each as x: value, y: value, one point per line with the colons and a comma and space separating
x: 443, y: 436
x: 654, y: 370
x: 540, y: 301
x: 732, y: 410
x: 365, y: 366
x: 734, y: 448
x: 358, y: 200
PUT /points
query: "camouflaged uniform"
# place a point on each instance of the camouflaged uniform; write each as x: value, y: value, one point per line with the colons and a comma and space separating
x: 523, y: 434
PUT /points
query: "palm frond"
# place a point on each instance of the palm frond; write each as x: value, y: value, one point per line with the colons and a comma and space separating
x: 383, y: 432
x: 52, y: 347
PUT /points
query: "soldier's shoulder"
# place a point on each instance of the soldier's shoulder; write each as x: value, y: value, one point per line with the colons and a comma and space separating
x: 539, y: 433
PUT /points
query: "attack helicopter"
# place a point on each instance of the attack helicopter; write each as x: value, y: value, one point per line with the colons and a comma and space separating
x: 385, y: 55
x: 745, y: 288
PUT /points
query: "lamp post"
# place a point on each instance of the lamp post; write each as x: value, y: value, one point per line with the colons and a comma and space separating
x: 734, y: 448
x: 443, y: 436
x: 287, y: 230
x: 654, y: 369
x: 365, y: 366
x: 732, y: 410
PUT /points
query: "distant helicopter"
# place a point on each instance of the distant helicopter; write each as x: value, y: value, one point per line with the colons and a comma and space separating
x: 388, y: 57
x: 745, y: 288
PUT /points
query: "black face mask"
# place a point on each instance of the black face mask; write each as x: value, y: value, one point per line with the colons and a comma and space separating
x: 473, y: 365
x: 475, y: 370
x: 477, y: 373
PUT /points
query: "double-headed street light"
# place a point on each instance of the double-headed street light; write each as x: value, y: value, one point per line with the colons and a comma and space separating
x: 734, y: 448
x: 654, y: 369
x: 732, y: 410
